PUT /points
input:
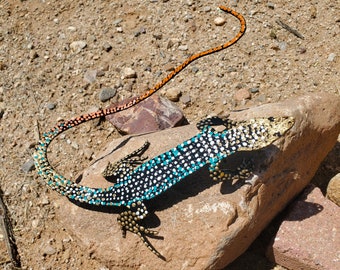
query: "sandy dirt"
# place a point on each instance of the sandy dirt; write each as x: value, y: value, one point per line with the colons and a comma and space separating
x: 44, y: 78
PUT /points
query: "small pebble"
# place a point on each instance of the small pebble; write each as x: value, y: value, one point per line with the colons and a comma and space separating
x: 183, y: 47
x: 234, y: 3
x: 270, y: 5
x: 254, y: 90
x: 107, y: 93
x: 117, y: 22
x: 78, y: 45
x: 44, y: 201
x: 90, y: 76
x: 261, y: 98
x: 88, y: 153
x: 195, y: 69
x: 242, y: 94
x: 100, y: 73
x: 107, y: 47
x: 157, y: 36
x: 75, y: 145
x: 35, y: 223
x: 33, y: 55
x: 185, y: 99
x: 48, y: 250
x: 313, y: 12
x: 129, y: 73
x: 301, y: 50
x: 28, y: 166
x: 282, y: 45
x: 3, y: 66
x: 173, y: 94
x: 207, y: 9
x: 273, y: 34
x: 219, y: 21
x: 331, y: 57
x: 51, y: 106
x: 30, y: 46
x: 72, y: 28
x: 140, y: 31
x: 188, y: 17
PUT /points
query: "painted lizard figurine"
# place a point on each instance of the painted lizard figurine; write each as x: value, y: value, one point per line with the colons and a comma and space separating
x: 158, y: 174
x: 155, y: 176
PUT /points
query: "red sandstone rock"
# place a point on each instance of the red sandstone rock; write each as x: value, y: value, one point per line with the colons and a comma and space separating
x: 207, y: 225
x: 309, y: 236
x: 153, y: 114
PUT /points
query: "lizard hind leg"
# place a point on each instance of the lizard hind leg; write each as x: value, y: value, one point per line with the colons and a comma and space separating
x: 129, y: 221
x: 241, y: 173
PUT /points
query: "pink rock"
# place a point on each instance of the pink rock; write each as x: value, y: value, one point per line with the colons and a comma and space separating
x: 207, y: 225
x: 153, y: 114
x: 242, y: 94
x: 309, y: 236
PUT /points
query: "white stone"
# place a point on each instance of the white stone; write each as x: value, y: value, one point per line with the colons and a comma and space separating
x: 219, y: 21
x: 78, y: 45
x: 129, y: 73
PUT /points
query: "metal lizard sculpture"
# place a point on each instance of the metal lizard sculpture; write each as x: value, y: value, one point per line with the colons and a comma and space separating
x: 153, y: 177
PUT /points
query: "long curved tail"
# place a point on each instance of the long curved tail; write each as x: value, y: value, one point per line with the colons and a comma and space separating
x: 42, y: 165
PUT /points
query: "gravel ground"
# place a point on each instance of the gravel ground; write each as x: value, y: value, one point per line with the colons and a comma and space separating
x: 57, y: 56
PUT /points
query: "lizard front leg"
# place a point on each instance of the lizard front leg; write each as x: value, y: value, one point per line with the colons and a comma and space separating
x: 126, y: 165
x: 215, y: 121
x: 242, y: 172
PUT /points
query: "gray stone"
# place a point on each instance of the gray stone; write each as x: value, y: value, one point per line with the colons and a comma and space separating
x: 254, y: 90
x: 51, y: 106
x: 78, y: 45
x: 90, y: 76
x: 107, y: 93
x: 28, y: 166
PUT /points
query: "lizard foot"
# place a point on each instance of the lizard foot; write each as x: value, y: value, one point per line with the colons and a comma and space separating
x: 129, y: 221
x: 241, y: 173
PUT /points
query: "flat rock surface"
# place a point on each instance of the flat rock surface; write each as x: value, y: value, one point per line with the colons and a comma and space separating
x: 298, y: 245
x: 206, y: 225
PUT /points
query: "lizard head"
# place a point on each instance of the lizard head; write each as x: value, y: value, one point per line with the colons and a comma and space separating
x: 257, y: 133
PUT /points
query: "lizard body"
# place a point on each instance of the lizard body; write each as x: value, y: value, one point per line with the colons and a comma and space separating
x: 155, y: 176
